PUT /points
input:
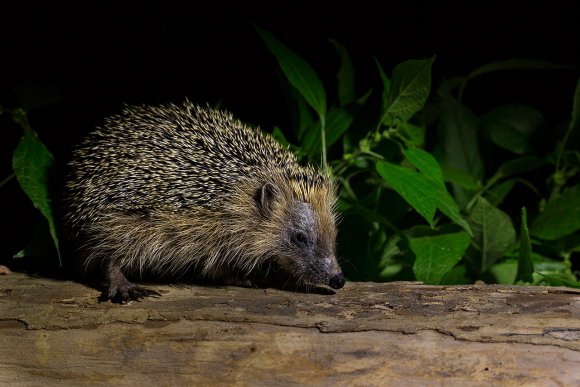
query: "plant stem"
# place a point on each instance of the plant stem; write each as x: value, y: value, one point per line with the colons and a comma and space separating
x: 568, y: 264
x: 570, y: 127
x: 21, y: 118
x: 563, y: 147
x: 323, y: 140
x: 7, y: 179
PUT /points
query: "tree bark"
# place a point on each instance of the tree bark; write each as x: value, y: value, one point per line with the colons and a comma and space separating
x: 56, y: 331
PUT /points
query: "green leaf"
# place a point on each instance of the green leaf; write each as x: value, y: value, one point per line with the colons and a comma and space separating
x: 525, y: 264
x: 386, y: 85
x: 40, y: 243
x: 544, y: 264
x: 498, y: 193
x: 31, y: 162
x: 338, y: 122
x: 575, y: 123
x: 412, y: 186
x: 505, y: 272
x: 460, y: 178
x: 447, y: 205
x: 560, y: 280
x: 425, y: 163
x: 388, y: 254
x: 459, y: 128
x: 455, y: 276
x: 515, y: 64
x: 302, y: 117
x: 430, y: 168
x: 515, y: 167
x: 413, y: 134
x: 522, y: 118
x: 364, y: 98
x: 279, y: 136
x: 345, y: 75
x: 436, y: 255
x: 507, y: 138
x: 511, y: 127
x: 298, y: 72
x: 561, y: 216
x: 510, y: 64
x: 410, y: 87
x: 493, y: 234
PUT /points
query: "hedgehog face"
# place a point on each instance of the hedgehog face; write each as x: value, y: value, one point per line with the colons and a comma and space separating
x: 303, y: 232
x: 307, y: 252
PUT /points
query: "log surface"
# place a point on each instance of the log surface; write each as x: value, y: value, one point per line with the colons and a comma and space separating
x: 56, y: 332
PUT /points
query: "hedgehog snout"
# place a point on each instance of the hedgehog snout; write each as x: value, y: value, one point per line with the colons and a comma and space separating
x: 337, y: 281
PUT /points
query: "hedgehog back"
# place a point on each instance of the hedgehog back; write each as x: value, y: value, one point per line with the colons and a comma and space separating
x: 167, y: 158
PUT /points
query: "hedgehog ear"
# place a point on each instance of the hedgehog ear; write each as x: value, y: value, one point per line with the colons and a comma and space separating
x: 266, y: 196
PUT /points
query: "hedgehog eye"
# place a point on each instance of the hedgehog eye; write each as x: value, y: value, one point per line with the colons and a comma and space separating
x: 300, y: 239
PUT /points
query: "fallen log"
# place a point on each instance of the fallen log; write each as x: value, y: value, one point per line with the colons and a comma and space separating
x: 55, y: 331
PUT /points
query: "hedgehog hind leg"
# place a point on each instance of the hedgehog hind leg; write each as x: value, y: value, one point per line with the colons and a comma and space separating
x: 121, y: 289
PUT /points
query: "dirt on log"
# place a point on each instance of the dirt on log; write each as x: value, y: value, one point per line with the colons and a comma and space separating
x: 57, y: 332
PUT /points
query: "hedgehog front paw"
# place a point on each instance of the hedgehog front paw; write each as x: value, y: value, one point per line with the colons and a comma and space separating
x: 123, y: 291
x: 128, y: 291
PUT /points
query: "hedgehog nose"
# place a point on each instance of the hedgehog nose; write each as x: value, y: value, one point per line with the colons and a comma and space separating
x: 337, y: 281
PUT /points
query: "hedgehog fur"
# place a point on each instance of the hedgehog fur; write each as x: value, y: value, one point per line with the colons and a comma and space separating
x: 167, y: 189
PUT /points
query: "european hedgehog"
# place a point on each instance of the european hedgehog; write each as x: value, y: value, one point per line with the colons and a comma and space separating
x: 168, y: 189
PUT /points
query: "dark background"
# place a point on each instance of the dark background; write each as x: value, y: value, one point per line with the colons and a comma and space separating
x: 90, y: 59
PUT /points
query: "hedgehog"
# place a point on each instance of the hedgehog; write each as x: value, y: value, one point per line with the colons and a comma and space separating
x: 178, y: 188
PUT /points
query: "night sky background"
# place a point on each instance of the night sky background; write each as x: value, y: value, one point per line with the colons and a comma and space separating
x: 91, y: 59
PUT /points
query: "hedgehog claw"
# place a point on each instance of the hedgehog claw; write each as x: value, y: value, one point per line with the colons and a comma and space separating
x: 123, y: 291
x: 130, y: 292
